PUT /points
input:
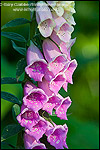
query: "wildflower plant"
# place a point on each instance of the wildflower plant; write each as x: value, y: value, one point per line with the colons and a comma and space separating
x: 47, y: 66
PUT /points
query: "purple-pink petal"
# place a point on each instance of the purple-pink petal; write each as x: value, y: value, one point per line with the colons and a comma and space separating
x: 33, y: 54
x: 36, y: 70
x: 57, y: 82
x: 44, y: 85
x: 53, y: 102
x: 27, y: 118
x: 35, y: 99
x: 57, y: 137
x: 70, y: 70
x: 57, y: 64
x: 31, y: 143
x: 38, y: 130
x: 28, y: 86
x: 50, y: 50
x: 62, y: 109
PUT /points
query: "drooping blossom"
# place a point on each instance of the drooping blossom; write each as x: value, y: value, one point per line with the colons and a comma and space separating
x: 35, y: 99
x: 36, y: 63
x: 28, y: 118
x: 56, y: 60
x: 44, y: 19
x: 44, y: 85
x: 65, y: 47
x: 69, y: 69
x: 57, y: 135
x: 62, y: 28
x: 58, y: 103
x: 31, y: 143
x: 38, y: 130
x: 61, y: 110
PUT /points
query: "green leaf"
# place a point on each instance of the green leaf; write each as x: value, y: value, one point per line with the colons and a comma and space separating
x: 9, y: 80
x: 20, y: 67
x: 10, y: 97
x: 10, y: 130
x: 15, y: 111
x: 13, y: 36
x: 15, y: 22
x: 21, y: 50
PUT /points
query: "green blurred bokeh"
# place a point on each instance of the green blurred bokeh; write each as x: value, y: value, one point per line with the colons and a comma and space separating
x: 83, y: 115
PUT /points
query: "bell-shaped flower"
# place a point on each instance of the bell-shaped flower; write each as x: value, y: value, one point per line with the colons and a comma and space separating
x: 38, y: 130
x: 65, y: 47
x: 57, y: 82
x: 62, y: 108
x: 69, y: 18
x: 56, y: 136
x: 36, y: 63
x: 44, y: 85
x: 54, y: 57
x: 69, y: 70
x: 35, y: 99
x: 44, y: 19
x: 28, y: 86
x: 27, y: 118
x: 62, y: 28
x: 31, y: 143
x: 53, y: 102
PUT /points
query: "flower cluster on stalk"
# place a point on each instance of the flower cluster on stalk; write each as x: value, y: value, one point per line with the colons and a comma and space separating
x: 52, y: 70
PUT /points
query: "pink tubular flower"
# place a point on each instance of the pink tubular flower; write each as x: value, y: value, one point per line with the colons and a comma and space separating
x: 36, y: 63
x: 57, y: 82
x: 44, y: 19
x: 38, y: 130
x: 28, y: 86
x: 56, y: 136
x: 31, y: 143
x: 44, y: 85
x: 62, y: 108
x: 35, y: 99
x: 62, y: 28
x: 69, y: 70
x: 58, y: 103
x: 27, y: 118
x: 54, y: 57
x: 65, y: 47
x: 53, y: 102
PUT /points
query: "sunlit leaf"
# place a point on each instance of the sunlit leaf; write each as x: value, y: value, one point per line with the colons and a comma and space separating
x: 10, y: 97
x: 15, y: 22
x: 13, y: 36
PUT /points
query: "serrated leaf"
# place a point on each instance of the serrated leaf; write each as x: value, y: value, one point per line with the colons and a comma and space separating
x: 9, y: 80
x: 10, y: 130
x: 15, y: 22
x: 20, y: 67
x: 21, y: 50
x: 13, y: 36
x: 15, y: 111
x: 10, y: 97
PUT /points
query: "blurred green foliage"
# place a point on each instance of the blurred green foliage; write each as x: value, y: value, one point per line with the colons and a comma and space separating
x: 83, y: 122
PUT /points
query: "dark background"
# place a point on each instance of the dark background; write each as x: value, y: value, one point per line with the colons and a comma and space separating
x: 83, y: 115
